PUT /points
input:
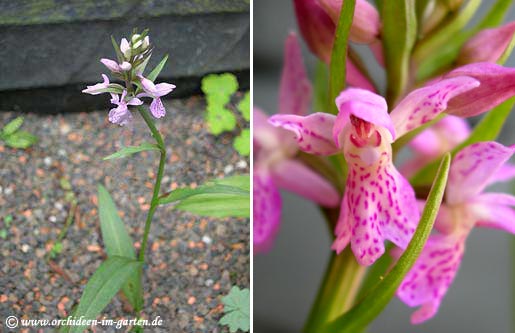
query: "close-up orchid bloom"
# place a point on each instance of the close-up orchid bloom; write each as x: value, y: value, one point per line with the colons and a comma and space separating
x: 275, y: 166
x: 410, y: 100
x: 474, y: 168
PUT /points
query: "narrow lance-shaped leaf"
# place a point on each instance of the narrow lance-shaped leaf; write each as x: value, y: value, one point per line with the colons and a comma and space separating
x: 157, y: 70
x: 357, y: 318
x: 118, y: 243
x: 399, y: 34
x: 127, y: 151
x: 227, y: 197
x: 103, y: 286
x: 488, y: 129
x: 337, y: 67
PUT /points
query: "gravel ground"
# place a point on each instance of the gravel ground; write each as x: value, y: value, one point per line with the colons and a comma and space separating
x: 192, y: 261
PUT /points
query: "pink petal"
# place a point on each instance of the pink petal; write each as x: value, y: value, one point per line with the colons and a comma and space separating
x: 505, y: 173
x: 316, y: 27
x: 356, y: 78
x: 313, y: 132
x: 270, y: 138
x: 488, y: 45
x: 157, y: 108
x: 162, y: 89
x: 473, y: 167
x: 441, y: 137
x: 295, y: 89
x: 494, y: 210
x: 111, y: 65
x: 298, y: 178
x: 120, y: 115
x: 94, y: 89
x: 424, y: 104
x: 267, y: 211
x: 427, y: 282
x: 364, y: 105
x: 379, y: 204
x: 135, y: 101
x: 125, y: 66
x: 434, y: 142
x: 366, y: 23
x: 497, y: 85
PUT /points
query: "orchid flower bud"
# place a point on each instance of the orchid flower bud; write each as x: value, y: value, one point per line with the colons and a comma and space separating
x: 366, y: 25
x: 125, y: 66
x: 488, y: 45
x: 316, y: 27
x: 125, y: 48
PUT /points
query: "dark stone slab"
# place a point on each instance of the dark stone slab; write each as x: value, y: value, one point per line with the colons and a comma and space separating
x: 50, y: 49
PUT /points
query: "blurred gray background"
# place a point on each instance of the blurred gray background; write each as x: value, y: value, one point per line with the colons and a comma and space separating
x: 286, y: 279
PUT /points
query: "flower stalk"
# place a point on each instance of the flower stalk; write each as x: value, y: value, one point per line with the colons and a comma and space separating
x: 157, y: 187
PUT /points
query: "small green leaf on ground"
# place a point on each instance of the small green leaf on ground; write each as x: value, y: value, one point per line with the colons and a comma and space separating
x: 7, y: 220
x: 219, y: 120
x: 20, y: 139
x: 127, y: 151
x: 244, y: 106
x: 242, y: 143
x: 219, y: 88
x: 3, y: 233
x: 12, y: 126
x: 237, y: 310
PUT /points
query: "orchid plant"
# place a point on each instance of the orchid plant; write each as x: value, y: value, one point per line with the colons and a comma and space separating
x: 225, y: 197
x: 343, y: 156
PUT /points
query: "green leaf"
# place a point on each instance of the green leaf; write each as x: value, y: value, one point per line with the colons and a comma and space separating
x: 399, y: 35
x: 103, y: 286
x: 127, y: 151
x: 12, y: 126
x: 220, y: 198
x: 242, y: 143
x: 219, y: 88
x: 237, y: 310
x: 3, y: 233
x: 239, y: 181
x: 7, y: 220
x: 357, y: 318
x: 337, y: 67
x: 244, y: 106
x: 57, y: 248
x: 20, y: 139
x: 155, y: 72
x: 487, y: 129
x: 118, y: 243
x: 219, y: 120
x: 112, y: 88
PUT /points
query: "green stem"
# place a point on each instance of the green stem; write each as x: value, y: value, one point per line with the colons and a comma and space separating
x: 155, y: 196
x: 337, y: 292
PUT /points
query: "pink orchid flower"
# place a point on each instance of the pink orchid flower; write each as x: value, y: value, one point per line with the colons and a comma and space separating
x: 114, y: 67
x: 434, y: 142
x: 379, y: 203
x: 155, y: 91
x: 121, y: 114
x: 274, y: 152
x: 318, y: 29
x: 97, y: 88
x: 466, y: 206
